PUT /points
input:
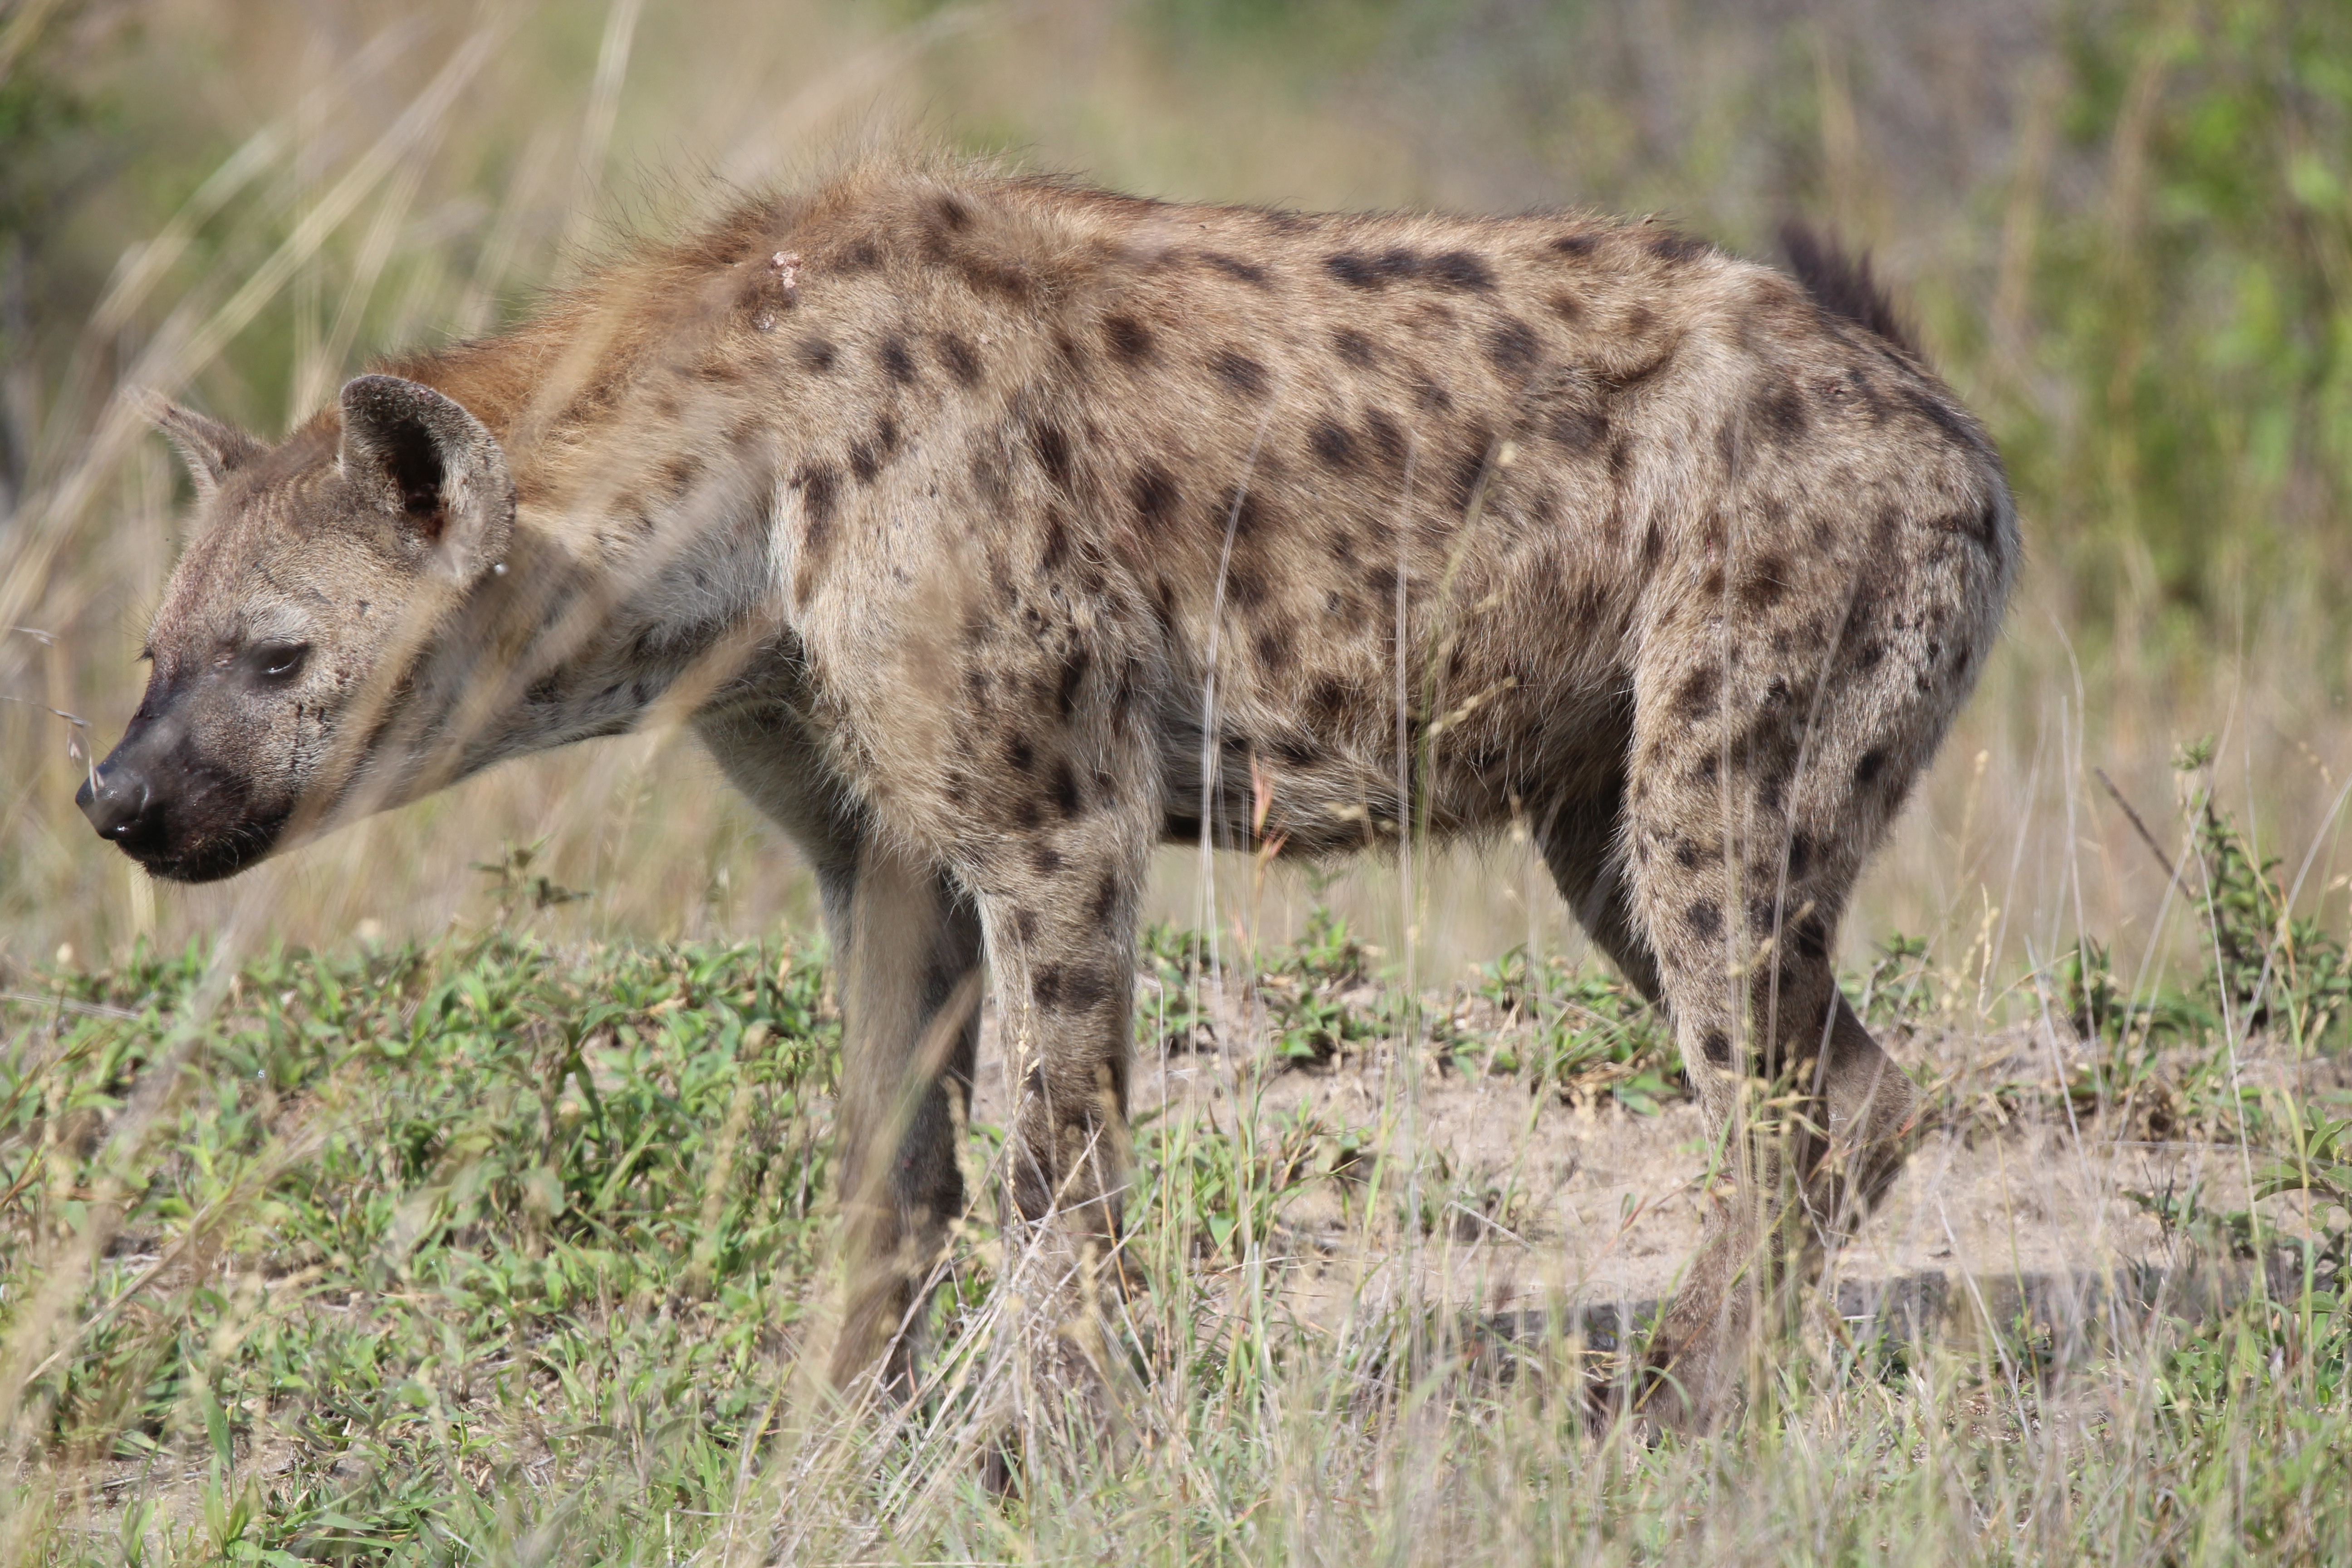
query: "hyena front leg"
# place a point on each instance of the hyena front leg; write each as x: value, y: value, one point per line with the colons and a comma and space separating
x: 907, y: 945
x: 1758, y: 788
x: 907, y: 971
x: 1058, y: 901
x: 1581, y: 835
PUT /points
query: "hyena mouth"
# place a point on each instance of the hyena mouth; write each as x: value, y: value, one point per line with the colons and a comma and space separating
x: 220, y: 853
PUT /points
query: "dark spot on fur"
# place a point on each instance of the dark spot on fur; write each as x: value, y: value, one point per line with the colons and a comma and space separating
x: 1355, y: 271
x: 1354, y: 347
x: 820, y: 485
x: 1582, y: 243
x: 1274, y: 649
x: 1782, y: 413
x: 1333, y: 445
x: 1052, y: 445
x: 1131, y: 341
x: 1654, y: 544
x: 1241, y: 511
x: 1621, y: 458
x: 1873, y: 764
x: 1430, y: 397
x: 1716, y: 1047
x: 1469, y: 468
x: 1025, y: 922
x: 1106, y: 900
x: 1696, y: 699
x: 1243, y: 585
x: 1239, y: 372
x: 1046, y: 859
x: 1066, y: 798
x: 1765, y: 584
x: 1235, y: 268
x: 1325, y: 701
x: 1072, y: 988
x: 988, y: 478
x: 1686, y: 854
x: 1019, y: 754
x: 1705, y: 918
x: 1513, y: 347
x: 818, y: 354
x: 896, y: 363
x: 1579, y: 431
x: 989, y: 275
x: 868, y: 455
x: 1154, y: 493
x: 960, y: 358
x: 1387, y: 437
x: 1460, y: 269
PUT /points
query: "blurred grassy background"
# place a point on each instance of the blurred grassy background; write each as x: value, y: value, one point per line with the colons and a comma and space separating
x: 2123, y: 225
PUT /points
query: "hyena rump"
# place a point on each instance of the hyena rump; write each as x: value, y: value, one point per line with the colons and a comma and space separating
x: 991, y: 530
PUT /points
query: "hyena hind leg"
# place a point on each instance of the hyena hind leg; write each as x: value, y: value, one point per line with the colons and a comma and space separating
x: 1753, y: 807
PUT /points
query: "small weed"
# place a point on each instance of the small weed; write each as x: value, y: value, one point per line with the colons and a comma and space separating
x: 1899, y: 988
x: 2270, y: 966
x: 1576, y: 1035
x: 1223, y: 1191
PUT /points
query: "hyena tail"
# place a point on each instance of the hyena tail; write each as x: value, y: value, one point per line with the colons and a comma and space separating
x: 1842, y: 284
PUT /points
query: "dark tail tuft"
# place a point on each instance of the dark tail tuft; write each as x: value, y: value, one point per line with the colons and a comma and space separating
x: 1842, y: 285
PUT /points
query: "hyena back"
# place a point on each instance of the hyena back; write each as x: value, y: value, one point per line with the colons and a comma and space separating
x: 991, y: 530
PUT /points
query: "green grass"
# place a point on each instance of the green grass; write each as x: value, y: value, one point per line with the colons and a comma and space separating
x: 495, y: 1251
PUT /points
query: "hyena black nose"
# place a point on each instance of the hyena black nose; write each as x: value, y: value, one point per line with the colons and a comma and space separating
x: 116, y: 800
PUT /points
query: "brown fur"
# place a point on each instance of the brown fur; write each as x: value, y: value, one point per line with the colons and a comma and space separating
x: 995, y: 529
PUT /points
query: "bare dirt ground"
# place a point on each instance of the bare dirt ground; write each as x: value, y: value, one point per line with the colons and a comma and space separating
x: 2011, y: 1202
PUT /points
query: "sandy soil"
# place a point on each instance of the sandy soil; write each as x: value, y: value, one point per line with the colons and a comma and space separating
x: 1540, y: 1203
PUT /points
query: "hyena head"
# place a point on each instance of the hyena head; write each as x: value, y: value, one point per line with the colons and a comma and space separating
x: 323, y: 575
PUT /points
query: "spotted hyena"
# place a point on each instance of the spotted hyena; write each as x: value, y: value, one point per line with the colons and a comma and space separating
x: 991, y: 530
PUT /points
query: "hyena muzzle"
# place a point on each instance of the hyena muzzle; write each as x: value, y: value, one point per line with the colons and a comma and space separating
x: 991, y: 530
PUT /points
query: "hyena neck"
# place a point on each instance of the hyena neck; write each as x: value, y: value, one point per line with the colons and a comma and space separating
x: 638, y: 569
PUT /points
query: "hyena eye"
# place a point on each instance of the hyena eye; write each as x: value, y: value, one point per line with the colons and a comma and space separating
x: 276, y: 662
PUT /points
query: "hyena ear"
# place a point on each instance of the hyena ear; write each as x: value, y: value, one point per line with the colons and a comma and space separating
x: 433, y: 467
x: 212, y: 450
